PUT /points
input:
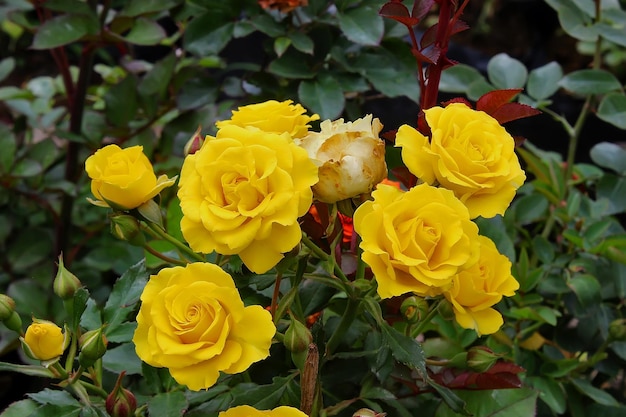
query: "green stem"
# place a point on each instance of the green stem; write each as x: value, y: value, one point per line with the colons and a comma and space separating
x: 317, y: 251
x: 346, y: 321
x: 177, y: 243
x: 93, y: 389
x: 166, y: 258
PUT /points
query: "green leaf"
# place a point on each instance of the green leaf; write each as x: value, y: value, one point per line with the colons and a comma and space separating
x: 168, y: 404
x: 31, y: 247
x: 613, y: 189
x: 543, y: 249
x: 599, y: 396
x: 26, y: 168
x: 8, y: 145
x: 495, y: 403
x: 124, y: 296
x: 495, y: 229
x: 281, y: 44
x: 262, y: 397
x: 139, y: 7
x: 302, y: 42
x: 6, y: 67
x: 122, y: 333
x: 122, y: 102
x: 197, y: 92
x: 62, y: 30
x: 530, y: 208
x: 362, y: 25
x: 79, y: 304
x: 122, y: 358
x: 20, y: 408
x: 550, y: 392
x: 158, y: 79
x: 590, y: 81
x: 202, y: 42
x: 49, y: 396
x: 543, y: 81
x: 577, y: 24
x: 506, y: 72
x: 292, y: 64
x: 11, y: 92
x: 323, y: 96
x: 145, y: 32
x: 457, y: 78
x: 69, y: 6
x: 612, y: 110
x: 587, y: 289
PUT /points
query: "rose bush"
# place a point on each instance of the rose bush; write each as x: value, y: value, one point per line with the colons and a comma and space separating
x: 242, y: 193
x: 469, y: 153
x: 44, y: 339
x: 123, y: 178
x: 273, y: 117
x: 350, y: 155
x: 476, y: 289
x: 193, y: 322
x: 415, y: 241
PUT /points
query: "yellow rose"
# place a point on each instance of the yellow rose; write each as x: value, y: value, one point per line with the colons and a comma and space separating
x: 123, y: 177
x: 415, y: 241
x: 476, y: 289
x: 273, y: 117
x: 193, y: 321
x: 351, y: 158
x: 44, y: 339
x: 469, y: 153
x: 247, y: 411
x: 242, y: 193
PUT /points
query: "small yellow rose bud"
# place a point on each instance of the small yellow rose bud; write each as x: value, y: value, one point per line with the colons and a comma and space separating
x: 617, y: 330
x: 481, y: 358
x: 297, y: 336
x: 194, y: 144
x: 43, y: 340
x: 8, y: 315
x: 414, y: 309
x: 366, y: 412
x: 65, y: 283
x: 126, y: 227
x: 350, y: 156
x: 120, y: 402
x: 93, y: 345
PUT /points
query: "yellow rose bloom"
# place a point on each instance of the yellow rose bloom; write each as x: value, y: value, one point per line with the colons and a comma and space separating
x: 45, y: 340
x: 242, y: 193
x: 469, y: 153
x: 247, y: 411
x: 193, y: 322
x: 351, y: 158
x: 273, y: 117
x: 415, y: 241
x: 123, y: 177
x: 476, y: 289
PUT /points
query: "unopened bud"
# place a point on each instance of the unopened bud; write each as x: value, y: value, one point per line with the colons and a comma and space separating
x: 44, y: 340
x: 93, y: 346
x: 151, y: 212
x: 126, y: 227
x: 65, y: 283
x: 366, y: 412
x: 120, y: 402
x: 8, y: 315
x: 414, y: 309
x: 445, y: 310
x: 297, y: 336
x: 481, y: 358
x: 617, y: 330
x: 194, y: 144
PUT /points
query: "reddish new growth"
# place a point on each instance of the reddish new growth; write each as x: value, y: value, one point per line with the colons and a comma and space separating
x: 284, y: 6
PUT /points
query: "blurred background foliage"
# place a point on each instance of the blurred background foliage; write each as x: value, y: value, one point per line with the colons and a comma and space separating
x: 76, y: 75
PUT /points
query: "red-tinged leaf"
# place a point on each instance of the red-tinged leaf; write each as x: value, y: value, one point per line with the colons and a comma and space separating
x: 514, y: 111
x: 389, y: 136
x: 426, y: 57
x: 429, y: 36
x: 493, y: 100
x: 457, y: 100
x: 459, y: 26
x: 519, y: 140
x: 501, y: 375
x: 399, y: 13
x: 421, y: 8
x: 404, y: 176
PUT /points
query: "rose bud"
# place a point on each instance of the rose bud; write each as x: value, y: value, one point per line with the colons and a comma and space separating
x: 617, y: 330
x: 120, y: 402
x: 297, y: 337
x: 350, y: 157
x: 481, y: 359
x: 8, y: 315
x: 93, y: 345
x: 126, y: 227
x: 44, y: 340
x: 366, y: 412
x: 65, y: 283
x: 194, y: 143
x: 414, y: 309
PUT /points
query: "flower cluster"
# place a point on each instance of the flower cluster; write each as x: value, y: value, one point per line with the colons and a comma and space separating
x: 423, y: 241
